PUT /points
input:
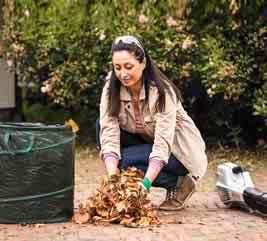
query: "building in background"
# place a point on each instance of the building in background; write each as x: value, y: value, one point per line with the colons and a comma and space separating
x: 7, y: 93
x: 9, y: 110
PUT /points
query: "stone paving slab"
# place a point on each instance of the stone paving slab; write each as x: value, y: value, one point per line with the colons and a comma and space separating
x: 204, y: 219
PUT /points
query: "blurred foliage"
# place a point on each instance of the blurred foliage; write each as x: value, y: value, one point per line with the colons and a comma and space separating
x: 214, y: 50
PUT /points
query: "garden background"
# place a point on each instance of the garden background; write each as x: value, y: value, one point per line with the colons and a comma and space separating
x: 214, y: 51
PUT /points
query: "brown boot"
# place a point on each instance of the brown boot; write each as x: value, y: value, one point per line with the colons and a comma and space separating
x: 177, y: 197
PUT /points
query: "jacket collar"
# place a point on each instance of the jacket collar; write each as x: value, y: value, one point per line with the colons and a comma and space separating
x: 126, y: 96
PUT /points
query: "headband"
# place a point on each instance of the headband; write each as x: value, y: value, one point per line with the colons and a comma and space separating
x: 129, y: 39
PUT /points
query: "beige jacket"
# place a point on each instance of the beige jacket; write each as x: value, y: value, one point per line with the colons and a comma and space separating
x: 173, y: 130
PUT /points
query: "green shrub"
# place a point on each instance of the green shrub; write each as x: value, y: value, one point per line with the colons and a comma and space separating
x: 215, y: 52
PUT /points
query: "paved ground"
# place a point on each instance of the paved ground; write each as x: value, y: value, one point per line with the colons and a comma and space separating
x: 205, y: 218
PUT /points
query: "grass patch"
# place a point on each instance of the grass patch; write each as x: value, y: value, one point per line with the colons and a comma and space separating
x: 251, y: 160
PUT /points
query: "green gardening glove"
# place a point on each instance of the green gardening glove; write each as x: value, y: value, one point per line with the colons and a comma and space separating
x: 145, y: 184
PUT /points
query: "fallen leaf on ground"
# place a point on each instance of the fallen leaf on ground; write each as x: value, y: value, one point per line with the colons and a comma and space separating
x: 38, y: 225
x: 81, y: 218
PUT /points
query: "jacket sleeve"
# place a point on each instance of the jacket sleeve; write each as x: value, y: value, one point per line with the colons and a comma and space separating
x: 109, y: 127
x: 165, y: 128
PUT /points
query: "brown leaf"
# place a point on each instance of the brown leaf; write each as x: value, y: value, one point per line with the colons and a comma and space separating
x: 38, y: 225
x: 126, y: 221
x: 119, y: 200
x: 81, y: 218
x: 144, y: 221
x: 121, y: 206
x: 102, y: 212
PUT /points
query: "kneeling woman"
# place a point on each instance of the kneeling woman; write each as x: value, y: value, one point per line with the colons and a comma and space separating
x: 143, y: 124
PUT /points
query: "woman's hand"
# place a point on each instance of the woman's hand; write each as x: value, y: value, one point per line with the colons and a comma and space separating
x: 143, y: 189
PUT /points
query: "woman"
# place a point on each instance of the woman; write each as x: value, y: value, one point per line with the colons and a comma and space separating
x: 143, y: 124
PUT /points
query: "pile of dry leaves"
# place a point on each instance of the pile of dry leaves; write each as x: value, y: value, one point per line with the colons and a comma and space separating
x: 119, y: 200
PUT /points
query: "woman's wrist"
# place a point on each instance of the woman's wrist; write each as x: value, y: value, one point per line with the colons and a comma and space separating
x: 111, y: 163
x: 154, y: 168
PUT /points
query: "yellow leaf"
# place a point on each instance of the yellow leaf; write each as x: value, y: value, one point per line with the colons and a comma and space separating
x: 144, y: 221
x: 73, y: 125
x: 121, y: 206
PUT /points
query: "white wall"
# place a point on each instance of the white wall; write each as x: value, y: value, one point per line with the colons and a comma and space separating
x: 7, y: 87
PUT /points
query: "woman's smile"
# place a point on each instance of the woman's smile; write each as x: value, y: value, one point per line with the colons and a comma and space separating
x: 126, y: 81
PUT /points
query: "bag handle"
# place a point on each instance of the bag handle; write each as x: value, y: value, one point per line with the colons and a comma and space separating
x: 26, y: 149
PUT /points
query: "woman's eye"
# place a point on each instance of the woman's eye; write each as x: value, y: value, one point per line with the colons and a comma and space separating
x: 128, y: 67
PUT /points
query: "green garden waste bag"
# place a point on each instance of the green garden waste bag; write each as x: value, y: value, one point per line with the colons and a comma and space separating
x: 36, y: 173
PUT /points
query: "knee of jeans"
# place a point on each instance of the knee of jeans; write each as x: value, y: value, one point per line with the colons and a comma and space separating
x: 97, y: 124
x: 123, y: 164
x: 97, y: 127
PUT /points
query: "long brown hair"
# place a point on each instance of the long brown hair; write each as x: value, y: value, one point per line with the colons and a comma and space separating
x: 151, y: 74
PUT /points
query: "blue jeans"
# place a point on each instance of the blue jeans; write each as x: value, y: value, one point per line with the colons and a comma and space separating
x: 135, y: 152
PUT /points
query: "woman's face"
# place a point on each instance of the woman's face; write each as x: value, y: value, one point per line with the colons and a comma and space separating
x: 127, y: 68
